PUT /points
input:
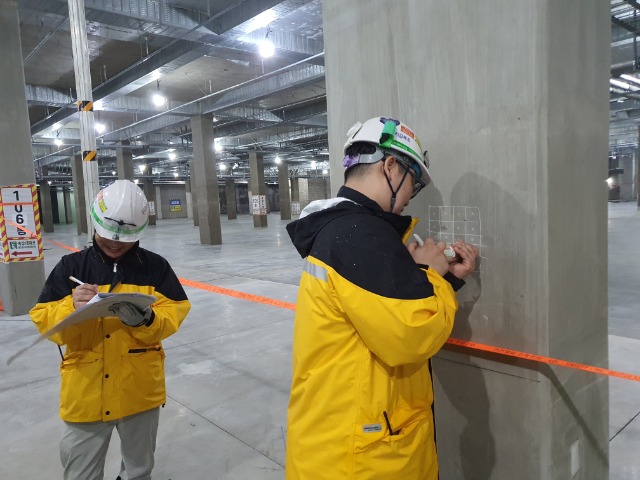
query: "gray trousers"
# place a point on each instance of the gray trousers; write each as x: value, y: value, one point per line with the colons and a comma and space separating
x: 83, y: 447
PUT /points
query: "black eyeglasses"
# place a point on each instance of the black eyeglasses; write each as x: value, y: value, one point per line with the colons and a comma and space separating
x: 414, y: 171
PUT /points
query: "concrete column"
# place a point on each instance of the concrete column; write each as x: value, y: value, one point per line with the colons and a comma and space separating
x: 230, y: 190
x: 68, y: 208
x: 206, y: 183
x: 257, y: 187
x: 295, y: 196
x: 283, y: 191
x: 46, y: 209
x: 638, y: 170
x: 150, y: 192
x: 78, y: 194
x: 124, y: 160
x: 20, y: 282
x: 194, y: 193
x: 295, y: 189
x: 158, y: 192
x: 512, y: 105
x: 187, y: 187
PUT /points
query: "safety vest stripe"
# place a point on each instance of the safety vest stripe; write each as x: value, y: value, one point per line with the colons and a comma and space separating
x: 316, y: 271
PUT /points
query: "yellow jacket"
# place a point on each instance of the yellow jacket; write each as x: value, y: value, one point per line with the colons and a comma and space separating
x: 111, y: 370
x: 368, y: 319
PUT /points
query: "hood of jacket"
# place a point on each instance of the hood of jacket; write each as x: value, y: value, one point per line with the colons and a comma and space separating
x: 319, y: 213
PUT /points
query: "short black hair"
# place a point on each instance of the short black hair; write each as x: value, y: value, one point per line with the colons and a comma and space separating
x: 359, y: 169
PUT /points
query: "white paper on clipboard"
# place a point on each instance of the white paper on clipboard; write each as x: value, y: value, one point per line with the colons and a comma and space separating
x: 97, y: 307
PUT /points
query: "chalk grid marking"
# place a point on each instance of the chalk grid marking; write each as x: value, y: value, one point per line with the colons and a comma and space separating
x: 451, y: 224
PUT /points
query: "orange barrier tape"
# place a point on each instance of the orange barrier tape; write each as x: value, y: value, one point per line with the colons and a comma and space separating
x: 20, y: 227
x: 451, y: 341
x: 236, y: 294
x: 541, y: 359
x: 63, y: 246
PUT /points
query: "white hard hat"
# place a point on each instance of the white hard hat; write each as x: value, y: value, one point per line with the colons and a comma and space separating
x: 120, y: 212
x: 391, y: 136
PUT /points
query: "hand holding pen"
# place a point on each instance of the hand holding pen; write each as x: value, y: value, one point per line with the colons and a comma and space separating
x: 82, y: 293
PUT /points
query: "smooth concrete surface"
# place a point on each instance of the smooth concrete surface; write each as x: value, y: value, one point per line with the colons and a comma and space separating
x: 150, y: 192
x: 512, y: 105
x: 228, y: 367
x: 16, y: 161
x: 257, y: 187
x: 206, y: 181
x: 230, y: 193
x: 124, y: 161
x: 284, y: 191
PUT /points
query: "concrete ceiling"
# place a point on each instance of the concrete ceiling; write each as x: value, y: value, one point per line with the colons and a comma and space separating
x: 202, y: 55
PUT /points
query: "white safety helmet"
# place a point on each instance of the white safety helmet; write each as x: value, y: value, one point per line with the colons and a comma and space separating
x: 389, y: 136
x: 120, y: 212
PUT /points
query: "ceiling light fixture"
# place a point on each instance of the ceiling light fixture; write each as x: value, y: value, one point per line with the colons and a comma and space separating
x: 58, y: 142
x: 142, y: 168
x: 158, y: 100
x: 172, y: 156
x: 266, y: 47
x: 223, y: 167
x: 100, y: 127
x: 278, y: 160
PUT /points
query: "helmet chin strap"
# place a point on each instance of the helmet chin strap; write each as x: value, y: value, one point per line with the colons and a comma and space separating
x: 394, y: 193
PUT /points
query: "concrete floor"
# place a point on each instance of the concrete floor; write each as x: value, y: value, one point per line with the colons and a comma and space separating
x: 228, y: 368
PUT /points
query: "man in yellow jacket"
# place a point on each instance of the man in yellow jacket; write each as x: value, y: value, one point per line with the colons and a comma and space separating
x: 112, y: 370
x: 370, y: 314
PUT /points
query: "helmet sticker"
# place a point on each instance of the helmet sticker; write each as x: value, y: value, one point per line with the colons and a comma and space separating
x: 102, y: 205
x: 407, y: 131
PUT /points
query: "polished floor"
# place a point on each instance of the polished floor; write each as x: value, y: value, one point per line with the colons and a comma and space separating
x: 228, y: 368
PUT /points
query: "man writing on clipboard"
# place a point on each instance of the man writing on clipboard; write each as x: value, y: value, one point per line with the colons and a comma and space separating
x: 113, y: 367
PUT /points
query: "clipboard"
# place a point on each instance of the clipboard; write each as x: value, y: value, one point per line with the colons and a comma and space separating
x: 97, y: 307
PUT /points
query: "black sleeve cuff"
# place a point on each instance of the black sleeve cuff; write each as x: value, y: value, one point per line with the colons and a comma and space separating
x: 456, y: 283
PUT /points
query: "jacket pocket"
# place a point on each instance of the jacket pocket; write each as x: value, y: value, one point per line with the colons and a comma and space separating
x: 408, y: 454
x: 142, y: 380
x: 81, y: 386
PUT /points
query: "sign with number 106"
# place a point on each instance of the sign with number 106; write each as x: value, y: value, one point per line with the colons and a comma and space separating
x: 19, y: 224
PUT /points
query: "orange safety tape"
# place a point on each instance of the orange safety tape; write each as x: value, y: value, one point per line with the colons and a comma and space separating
x: 11, y: 204
x: 63, y: 245
x: 539, y: 358
x: 234, y: 293
x: 451, y: 341
x: 20, y: 227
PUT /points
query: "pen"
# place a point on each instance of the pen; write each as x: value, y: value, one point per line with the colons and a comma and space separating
x: 74, y: 279
x: 418, y: 239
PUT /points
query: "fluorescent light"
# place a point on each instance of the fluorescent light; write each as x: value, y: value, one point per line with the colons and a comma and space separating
x: 266, y: 48
x: 113, y: 172
x: 217, y: 147
x: 142, y: 168
x: 175, y: 174
x: 98, y: 105
x: 278, y: 160
x: 100, y: 127
x: 223, y: 167
x: 158, y: 100
x: 57, y: 141
x: 313, y: 164
x: 325, y: 171
x: 609, y: 181
x: 136, y: 181
x: 172, y: 156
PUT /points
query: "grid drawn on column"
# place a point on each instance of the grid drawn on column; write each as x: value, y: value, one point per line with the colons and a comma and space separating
x: 454, y: 223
